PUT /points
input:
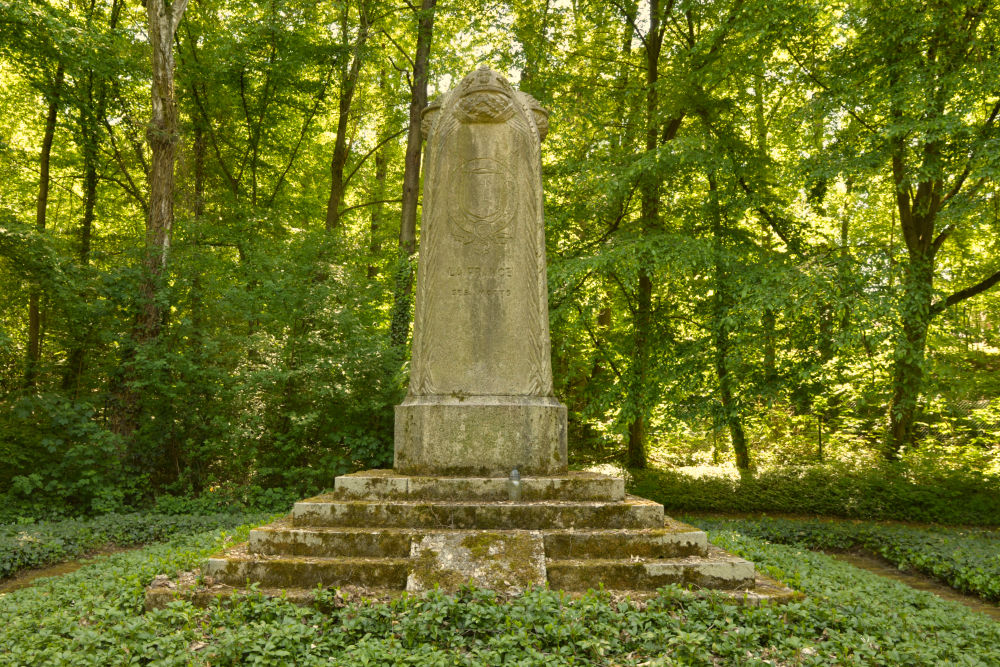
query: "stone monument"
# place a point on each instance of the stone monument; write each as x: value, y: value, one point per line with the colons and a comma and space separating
x: 479, y: 405
x: 480, y: 398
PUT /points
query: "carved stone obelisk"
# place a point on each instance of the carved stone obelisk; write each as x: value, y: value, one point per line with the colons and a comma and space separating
x: 480, y: 397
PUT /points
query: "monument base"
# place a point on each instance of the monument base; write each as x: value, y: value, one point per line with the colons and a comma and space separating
x: 380, y: 533
x: 480, y: 435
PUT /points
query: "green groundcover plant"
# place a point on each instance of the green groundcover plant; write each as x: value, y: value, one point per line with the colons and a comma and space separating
x: 966, y: 559
x: 40, y: 543
x: 94, y: 617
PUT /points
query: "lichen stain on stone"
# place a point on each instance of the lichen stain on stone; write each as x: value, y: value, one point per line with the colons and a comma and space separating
x: 426, y: 572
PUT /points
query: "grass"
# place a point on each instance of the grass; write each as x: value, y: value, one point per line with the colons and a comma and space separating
x: 94, y: 617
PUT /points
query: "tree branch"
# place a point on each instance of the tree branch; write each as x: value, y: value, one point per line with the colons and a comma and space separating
x: 371, y: 203
x: 962, y: 295
x: 369, y: 154
x: 597, y: 344
x: 968, y: 165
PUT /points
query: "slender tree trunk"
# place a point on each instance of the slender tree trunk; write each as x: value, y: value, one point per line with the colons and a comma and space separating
x: 348, y: 85
x: 721, y: 303
x: 637, y: 454
x: 378, y: 192
x: 768, y: 320
x: 93, y: 113
x: 403, y: 291
x: 374, y: 241
x: 41, y: 209
x: 199, y: 149
x: 162, y: 135
x: 649, y: 187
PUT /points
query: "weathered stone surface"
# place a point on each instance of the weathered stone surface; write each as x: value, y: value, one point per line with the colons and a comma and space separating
x: 240, y: 569
x: 462, y: 515
x: 717, y: 570
x: 480, y: 396
x: 654, y: 543
x: 282, y: 539
x: 506, y: 562
x: 390, y: 485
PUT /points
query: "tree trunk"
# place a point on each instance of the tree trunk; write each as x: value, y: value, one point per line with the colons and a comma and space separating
x: 400, y: 326
x: 768, y: 319
x: 374, y: 242
x: 908, y: 367
x: 637, y: 454
x: 348, y: 85
x: 162, y: 137
x: 41, y: 208
x: 649, y: 187
x: 721, y: 303
x: 378, y: 192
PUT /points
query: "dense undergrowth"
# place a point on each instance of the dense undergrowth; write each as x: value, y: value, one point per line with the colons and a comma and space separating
x: 94, y: 617
x: 38, y: 543
x: 880, y: 492
x: 965, y: 559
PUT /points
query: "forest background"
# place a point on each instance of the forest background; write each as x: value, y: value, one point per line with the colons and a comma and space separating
x: 773, y: 235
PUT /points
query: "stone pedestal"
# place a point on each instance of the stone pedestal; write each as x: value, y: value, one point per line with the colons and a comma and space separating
x: 480, y: 435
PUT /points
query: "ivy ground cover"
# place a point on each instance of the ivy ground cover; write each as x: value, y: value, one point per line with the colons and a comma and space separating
x: 967, y: 559
x: 39, y: 543
x: 94, y: 617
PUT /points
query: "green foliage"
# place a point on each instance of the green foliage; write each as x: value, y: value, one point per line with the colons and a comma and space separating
x: 929, y: 494
x: 772, y: 239
x: 27, y: 544
x: 227, y: 499
x: 69, y: 464
x: 93, y: 617
x: 965, y: 559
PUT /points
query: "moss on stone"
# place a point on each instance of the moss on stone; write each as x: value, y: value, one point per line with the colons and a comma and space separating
x: 426, y: 572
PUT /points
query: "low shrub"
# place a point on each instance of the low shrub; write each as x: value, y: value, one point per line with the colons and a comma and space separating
x: 35, y: 544
x: 886, y: 492
x: 228, y: 498
x: 93, y: 617
x: 965, y: 559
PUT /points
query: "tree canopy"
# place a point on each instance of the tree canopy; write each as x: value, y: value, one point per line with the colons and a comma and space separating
x: 773, y: 230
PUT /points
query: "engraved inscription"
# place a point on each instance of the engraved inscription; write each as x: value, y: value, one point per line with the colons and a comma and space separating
x: 467, y: 291
x: 479, y: 281
x: 478, y: 272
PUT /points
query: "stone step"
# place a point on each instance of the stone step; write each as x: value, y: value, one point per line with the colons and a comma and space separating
x: 235, y: 569
x: 389, y: 485
x: 645, y: 543
x: 331, y: 511
x: 717, y: 570
x: 283, y: 539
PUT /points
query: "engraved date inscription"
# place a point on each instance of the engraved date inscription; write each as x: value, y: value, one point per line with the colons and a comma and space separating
x: 473, y: 291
